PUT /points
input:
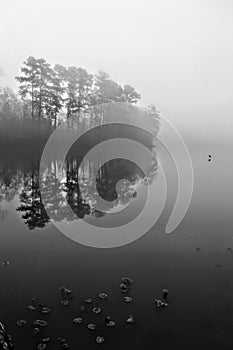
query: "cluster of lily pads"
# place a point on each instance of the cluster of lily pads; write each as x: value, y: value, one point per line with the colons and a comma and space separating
x: 88, y: 305
x: 5, y: 339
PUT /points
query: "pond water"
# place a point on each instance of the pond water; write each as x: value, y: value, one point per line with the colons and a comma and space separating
x: 195, y: 262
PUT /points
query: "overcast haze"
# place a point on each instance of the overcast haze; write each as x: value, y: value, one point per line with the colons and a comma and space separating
x: 177, y: 53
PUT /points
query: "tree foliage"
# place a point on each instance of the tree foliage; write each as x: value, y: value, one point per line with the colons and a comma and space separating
x: 46, y: 91
x: 10, y: 106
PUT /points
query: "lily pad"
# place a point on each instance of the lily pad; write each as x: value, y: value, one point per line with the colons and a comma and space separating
x: 91, y: 326
x: 96, y: 310
x: 127, y: 299
x: 21, y: 322
x: 40, y: 323
x: 78, y: 320
x: 99, y: 339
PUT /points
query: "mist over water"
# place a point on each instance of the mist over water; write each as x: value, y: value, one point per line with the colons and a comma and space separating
x: 194, y: 262
x: 63, y: 68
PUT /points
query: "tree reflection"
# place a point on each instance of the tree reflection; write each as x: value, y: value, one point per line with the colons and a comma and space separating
x: 80, y: 188
x: 35, y: 214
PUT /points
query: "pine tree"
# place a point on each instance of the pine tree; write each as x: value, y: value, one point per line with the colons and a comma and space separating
x: 130, y: 95
x: 28, y: 82
x: 106, y: 90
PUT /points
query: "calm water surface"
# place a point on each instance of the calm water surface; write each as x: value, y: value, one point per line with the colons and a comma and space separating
x: 195, y: 262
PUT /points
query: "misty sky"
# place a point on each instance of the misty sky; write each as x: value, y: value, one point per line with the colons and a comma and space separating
x: 177, y: 53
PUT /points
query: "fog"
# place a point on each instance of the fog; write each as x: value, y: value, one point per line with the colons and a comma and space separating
x: 177, y: 54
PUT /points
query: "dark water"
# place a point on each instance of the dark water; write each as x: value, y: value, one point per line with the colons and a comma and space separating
x: 195, y: 262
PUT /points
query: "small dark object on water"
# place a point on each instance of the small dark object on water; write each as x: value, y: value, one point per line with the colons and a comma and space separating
x: 5, y: 263
x: 198, y: 248
x: 218, y: 265
x: 209, y: 159
x: 107, y: 319
x: 165, y: 294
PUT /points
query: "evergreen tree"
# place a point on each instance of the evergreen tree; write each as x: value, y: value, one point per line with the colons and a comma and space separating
x: 49, y: 89
x: 130, y: 95
x: 28, y: 82
x: 106, y: 90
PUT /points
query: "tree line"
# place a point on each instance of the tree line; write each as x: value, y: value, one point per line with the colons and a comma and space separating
x: 47, y: 90
x: 49, y: 94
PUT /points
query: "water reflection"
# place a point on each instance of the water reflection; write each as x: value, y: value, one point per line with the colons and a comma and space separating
x: 76, y: 187
x: 31, y: 203
x: 76, y: 184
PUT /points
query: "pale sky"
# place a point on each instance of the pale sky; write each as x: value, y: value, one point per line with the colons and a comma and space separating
x: 177, y: 53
